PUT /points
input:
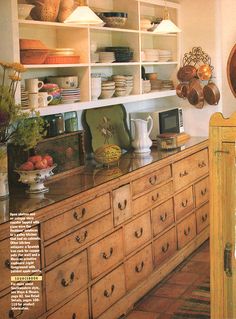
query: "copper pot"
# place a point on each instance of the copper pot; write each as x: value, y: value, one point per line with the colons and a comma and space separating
x: 204, y: 72
x: 211, y: 93
x: 186, y: 73
x: 182, y: 90
x: 196, y: 97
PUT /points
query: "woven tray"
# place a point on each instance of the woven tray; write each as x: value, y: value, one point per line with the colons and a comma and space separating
x: 55, y: 59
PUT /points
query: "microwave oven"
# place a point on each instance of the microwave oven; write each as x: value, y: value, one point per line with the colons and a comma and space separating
x: 164, y: 121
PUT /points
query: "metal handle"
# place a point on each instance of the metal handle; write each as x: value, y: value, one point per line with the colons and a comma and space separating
x: 185, y: 203
x: 122, y: 207
x: 156, y: 197
x: 182, y: 174
x: 204, y: 218
x: 163, y: 217
x: 107, y: 256
x: 74, y: 316
x: 81, y: 239
x: 138, y: 233
x: 203, y: 191
x: 228, y: 260
x: 165, y: 248
x: 187, y: 232
x: 8, y: 264
x: 12, y: 315
x: 81, y: 215
x: 139, y: 268
x: 109, y: 293
x: 66, y: 283
x: 153, y: 180
x: 201, y: 164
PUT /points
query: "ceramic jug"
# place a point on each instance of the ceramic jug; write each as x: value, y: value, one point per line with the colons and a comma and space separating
x: 142, y: 142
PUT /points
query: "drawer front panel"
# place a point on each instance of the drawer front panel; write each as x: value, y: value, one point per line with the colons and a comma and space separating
x: 186, y: 231
x: 77, y: 308
x: 137, y: 233
x: 150, y: 181
x: 107, y: 291
x: 184, y: 203
x: 138, y: 267
x: 164, y: 247
x: 122, y: 204
x: 153, y: 198
x: 76, y: 216
x: 106, y: 253
x: 66, y: 278
x: 202, y: 191
x: 202, y: 216
x: 162, y: 216
x: 5, y: 265
x: 77, y: 239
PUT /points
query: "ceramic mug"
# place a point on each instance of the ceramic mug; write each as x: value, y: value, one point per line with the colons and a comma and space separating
x: 44, y: 99
x: 33, y: 85
x: 33, y: 100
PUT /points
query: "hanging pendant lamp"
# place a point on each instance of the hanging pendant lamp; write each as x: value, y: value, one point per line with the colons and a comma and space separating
x: 83, y: 15
x: 166, y: 25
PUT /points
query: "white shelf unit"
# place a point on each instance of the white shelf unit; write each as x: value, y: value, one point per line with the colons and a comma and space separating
x: 54, y: 34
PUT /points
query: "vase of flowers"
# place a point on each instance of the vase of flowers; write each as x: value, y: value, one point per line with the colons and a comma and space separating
x: 17, y: 126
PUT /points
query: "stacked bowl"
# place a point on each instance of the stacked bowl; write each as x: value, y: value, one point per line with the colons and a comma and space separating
x: 123, y: 84
x: 113, y: 19
x: 122, y: 54
x: 108, y: 89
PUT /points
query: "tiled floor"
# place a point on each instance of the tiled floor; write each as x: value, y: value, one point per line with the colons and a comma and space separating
x: 164, y: 299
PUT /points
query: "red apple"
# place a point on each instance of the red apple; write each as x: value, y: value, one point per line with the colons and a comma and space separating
x: 49, y: 159
x: 41, y: 164
x: 35, y: 158
x: 27, y: 166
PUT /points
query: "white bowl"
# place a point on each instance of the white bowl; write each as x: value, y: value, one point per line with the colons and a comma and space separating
x: 24, y: 10
x: 107, y: 94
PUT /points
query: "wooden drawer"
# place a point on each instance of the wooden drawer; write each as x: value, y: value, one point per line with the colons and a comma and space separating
x: 76, y: 216
x: 66, y: 278
x: 201, y: 191
x: 189, y: 169
x: 202, y: 216
x: 5, y: 266
x: 153, y: 198
x: 137, y: 233
x: 186, y: 230
x: 164, y: 247
x: 77, y: 308
x: 184, y: 203
x: 162, y: 216
x: 77, y: 239
x: 148, y: 182
x: 107, y: 291
x: 138, y: 267
x: 121, y: 204
x: 106, y: 253
x: 30, y: 313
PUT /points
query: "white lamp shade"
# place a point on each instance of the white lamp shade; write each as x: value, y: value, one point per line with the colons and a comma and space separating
x: 167, y: 26
x: 83, y: 15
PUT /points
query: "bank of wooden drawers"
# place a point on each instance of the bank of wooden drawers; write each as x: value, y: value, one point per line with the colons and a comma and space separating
x: 184, y: 203
x: 188, y: 169
x: 122, y: 204
x: 106, y: 253
x: 137, y: 233
x: 201, y: 191
x: 138, y: 267
x: 5, y: 266
x: 148, y: 182
x: 164, y: 247
x: 162, y: 216
x: 66, y: 278
x: 77, y: 308
x: 186, y: 230
x: 76, y: 216
x: 202, y: 216
x: 108, y: 290
x: 152, y: 198
x: 78, y: 238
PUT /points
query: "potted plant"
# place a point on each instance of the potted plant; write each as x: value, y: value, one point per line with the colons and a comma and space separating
x: 17, y: 126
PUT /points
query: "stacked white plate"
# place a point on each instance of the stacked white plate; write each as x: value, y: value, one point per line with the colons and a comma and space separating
x: 165, y: 55
x: 24, y: 98
x: 151, y: 55
x: 70, y: 95
x: 146, y: 86
x: 106, y: 57
x: 108, y: 89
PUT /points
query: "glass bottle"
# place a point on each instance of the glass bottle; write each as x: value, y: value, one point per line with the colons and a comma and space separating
x: 71, y: 122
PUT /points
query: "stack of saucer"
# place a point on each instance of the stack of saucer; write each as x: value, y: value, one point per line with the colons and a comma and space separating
x: 165, y: 55
x: 156, y: 84
x: 70, y: 95
x: 146, y: 86
x: 151, y: 55
x: 24, y: 98
x: 167, y: 84
x: 106, y: 57
x: 122, y: 54
x: 108, y: 89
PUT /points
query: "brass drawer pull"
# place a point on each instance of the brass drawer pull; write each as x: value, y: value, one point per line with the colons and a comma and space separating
x: 81, y: 239
x: 165, y: 248
x: 182, y: 174
x: 8, y: 264
x: 122, y: 207
x: 203, y: 191
x: 139, y: 268
x: 138, y: 233
x: 155, y: 198
x: 228, y: 260
x: 163, y: 217
x: 107, y: 293
x: 66, y: 283
x: 185, y: 203
x: 201, y: 164
x: 12, y: 315
x: 105, y: 256
x: 74, y: 316
x: 204, y: 218
x: 79, y: 216
x: 153, y: 180
x: 187, y: 232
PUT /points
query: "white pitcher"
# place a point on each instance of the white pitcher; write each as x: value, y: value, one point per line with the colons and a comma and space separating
x: 142, y: 142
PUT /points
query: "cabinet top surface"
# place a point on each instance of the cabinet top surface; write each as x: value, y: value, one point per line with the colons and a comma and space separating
x: 92, y: 175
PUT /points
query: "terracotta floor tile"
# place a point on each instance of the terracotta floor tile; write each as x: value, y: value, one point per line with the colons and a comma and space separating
x: 154, y: 304
x: 183, y: 278
x: 203, y: 256
x: 170, y: 291
x: 197, y: 266
x: 174, y: 306
x: 165, y: 316
x: 143, y: 315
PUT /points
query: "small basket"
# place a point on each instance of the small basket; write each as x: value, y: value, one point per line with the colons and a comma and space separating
x: 33, y: 56
x: 56, y: 59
